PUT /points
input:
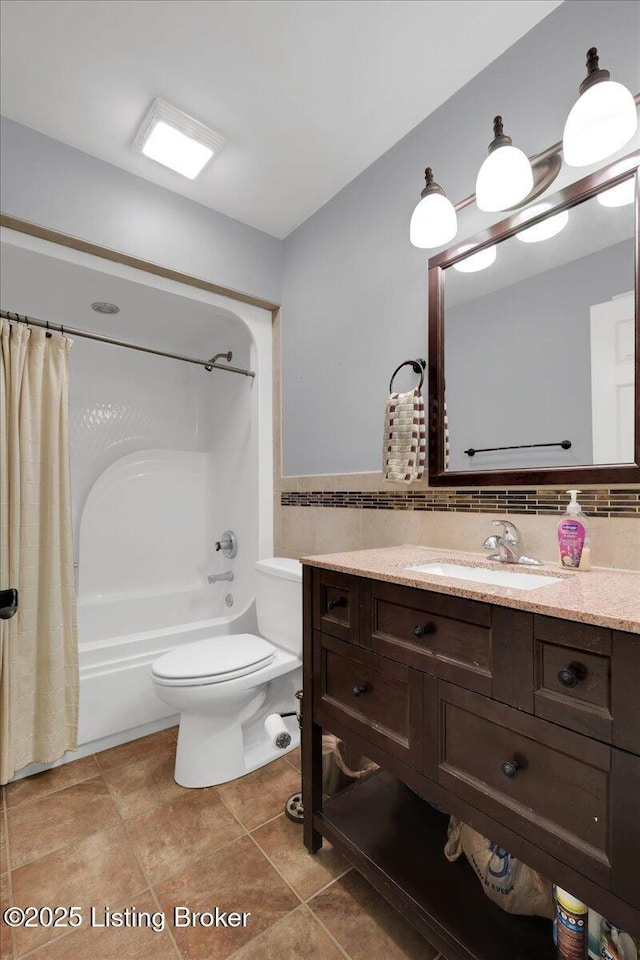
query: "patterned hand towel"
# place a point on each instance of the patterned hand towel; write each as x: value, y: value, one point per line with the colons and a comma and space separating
x: 404, y: 437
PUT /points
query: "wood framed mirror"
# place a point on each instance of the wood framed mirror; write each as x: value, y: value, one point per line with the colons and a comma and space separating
x: 534, y: 342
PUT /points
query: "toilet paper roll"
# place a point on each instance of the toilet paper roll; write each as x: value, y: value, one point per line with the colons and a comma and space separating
x: 276, y: 730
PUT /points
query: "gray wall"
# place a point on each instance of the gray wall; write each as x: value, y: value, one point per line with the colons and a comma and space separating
x: 518, y: 363
x: 354, y: 289
x: 56, y: 186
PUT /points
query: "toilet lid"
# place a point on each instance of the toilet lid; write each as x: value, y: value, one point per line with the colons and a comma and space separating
x: 223, y: 657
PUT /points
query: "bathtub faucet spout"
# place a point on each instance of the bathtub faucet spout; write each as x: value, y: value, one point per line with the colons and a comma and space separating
x: 214, y: 577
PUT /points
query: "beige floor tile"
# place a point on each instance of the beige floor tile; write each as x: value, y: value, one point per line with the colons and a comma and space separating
x: 172, y: 836
x: 41, y: 826
x: 112, y: 943
x: 4, y: 866
x: 6, y: 934
x: 297, y: 937
x: 156, y: 744
x: 145, y: 784
x: 281, y: 840
x: 261, y: 795
x: 365, y: 925
x: 98, y: 870
x: 40, y: 784
x: 295, y: 758
x: 236, y: 878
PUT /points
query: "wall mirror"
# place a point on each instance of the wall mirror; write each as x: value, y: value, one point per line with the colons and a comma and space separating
x: 533, y: 342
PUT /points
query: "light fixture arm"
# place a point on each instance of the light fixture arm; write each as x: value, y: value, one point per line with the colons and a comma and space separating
x: 539, y: 163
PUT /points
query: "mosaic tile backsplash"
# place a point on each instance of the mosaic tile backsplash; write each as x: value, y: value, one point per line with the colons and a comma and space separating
x: 604, y: 502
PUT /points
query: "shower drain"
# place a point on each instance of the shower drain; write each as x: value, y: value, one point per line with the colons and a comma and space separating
x: 229, y: 599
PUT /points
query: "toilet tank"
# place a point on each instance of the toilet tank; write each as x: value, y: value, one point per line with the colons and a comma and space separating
x: 279, y: 602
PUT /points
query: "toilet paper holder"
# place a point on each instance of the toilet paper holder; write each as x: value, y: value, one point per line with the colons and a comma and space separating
x: 275, y: 727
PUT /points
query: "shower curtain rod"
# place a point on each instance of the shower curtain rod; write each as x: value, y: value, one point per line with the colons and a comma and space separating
x: 60, y: 328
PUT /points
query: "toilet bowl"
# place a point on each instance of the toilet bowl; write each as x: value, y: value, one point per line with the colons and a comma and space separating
x: 225, y: 686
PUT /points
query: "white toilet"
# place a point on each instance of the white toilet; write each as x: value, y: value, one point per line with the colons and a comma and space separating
x: 224, y: 687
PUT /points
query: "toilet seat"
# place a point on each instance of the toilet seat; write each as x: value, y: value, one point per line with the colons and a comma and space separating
x: 213, y: 660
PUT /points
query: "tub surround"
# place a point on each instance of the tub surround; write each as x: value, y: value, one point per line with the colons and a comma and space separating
x: 603, y: 597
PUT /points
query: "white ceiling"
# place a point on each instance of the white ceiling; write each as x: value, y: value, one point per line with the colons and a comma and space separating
x: 308, y: 93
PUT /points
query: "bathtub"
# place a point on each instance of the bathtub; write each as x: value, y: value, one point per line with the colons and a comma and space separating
x: 120, y: 637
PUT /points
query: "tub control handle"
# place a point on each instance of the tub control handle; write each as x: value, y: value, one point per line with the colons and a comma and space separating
x: 228, y: 544
x: 338, y: 602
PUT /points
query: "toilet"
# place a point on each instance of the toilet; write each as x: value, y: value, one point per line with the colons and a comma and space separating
x: 225, y: 686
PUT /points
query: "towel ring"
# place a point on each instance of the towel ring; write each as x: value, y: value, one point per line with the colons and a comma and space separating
x: 418, y: 367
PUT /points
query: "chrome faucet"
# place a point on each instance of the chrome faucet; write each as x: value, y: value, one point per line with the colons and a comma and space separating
x: 214, y: 577
x: 509, y: 545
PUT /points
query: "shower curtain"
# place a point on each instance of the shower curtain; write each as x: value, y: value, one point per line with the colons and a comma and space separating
x: 39, y: 646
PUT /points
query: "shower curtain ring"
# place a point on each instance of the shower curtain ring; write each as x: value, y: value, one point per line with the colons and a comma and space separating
x: 48, y: 333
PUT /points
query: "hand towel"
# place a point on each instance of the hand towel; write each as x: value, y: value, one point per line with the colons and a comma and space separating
x: 404, y: 448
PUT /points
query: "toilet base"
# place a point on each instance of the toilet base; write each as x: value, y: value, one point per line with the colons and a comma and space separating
x: 207, y: 759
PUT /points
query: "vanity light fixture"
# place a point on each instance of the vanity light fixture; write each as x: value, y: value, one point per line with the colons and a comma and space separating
x: 434, y: 220
x: 547, y: 228
x: 620, y: 195
x: 478, y: 261
x: 176, y: 140
x: 505, y: 178
x: 601, y: 121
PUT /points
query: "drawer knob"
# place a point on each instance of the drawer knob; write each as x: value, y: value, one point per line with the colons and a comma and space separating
x: 359, y: 690
x: 338, y: 602
x: 510, y: 768
x: 568, y: 677
x: 422, y: 629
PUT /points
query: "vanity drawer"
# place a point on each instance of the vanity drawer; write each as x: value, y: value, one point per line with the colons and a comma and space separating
x: 335, y: 604
x: 449, y: 637
x: 551, y: 786
x: 377, y: 698
x: 572, y: 676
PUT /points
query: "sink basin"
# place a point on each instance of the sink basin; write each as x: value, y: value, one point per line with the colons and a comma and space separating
x: 499, y: 578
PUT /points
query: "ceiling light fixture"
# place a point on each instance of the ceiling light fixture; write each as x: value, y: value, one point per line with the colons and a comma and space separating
x: 176, y: 140
x: 434, y: 219
x: 477, y: 261
x: 601, y: 121
x: 620, y: 195
x: 546, y: 228
x: 102, y: 306
x: 505, y: 178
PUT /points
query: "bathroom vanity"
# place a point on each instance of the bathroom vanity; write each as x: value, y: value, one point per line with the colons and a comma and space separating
x: 517, y: 711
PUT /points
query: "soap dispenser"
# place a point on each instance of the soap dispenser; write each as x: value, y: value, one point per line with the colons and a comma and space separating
x: 574, y: 542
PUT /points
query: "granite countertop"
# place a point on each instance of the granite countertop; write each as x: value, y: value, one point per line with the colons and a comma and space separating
x: 602, y: 596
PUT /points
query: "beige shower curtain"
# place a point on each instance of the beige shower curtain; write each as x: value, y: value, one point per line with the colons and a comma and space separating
x: 39, y: 646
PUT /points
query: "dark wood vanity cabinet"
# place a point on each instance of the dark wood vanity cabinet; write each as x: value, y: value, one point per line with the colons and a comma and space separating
x: 524, y: 726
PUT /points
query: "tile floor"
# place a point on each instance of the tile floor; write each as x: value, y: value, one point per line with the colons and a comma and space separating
x: 114, y: 829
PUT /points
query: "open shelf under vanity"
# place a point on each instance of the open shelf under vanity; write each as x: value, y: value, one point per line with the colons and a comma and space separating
x: 396, y: 840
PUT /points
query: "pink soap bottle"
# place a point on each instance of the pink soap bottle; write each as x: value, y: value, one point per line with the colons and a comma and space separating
x: 574, y: 542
